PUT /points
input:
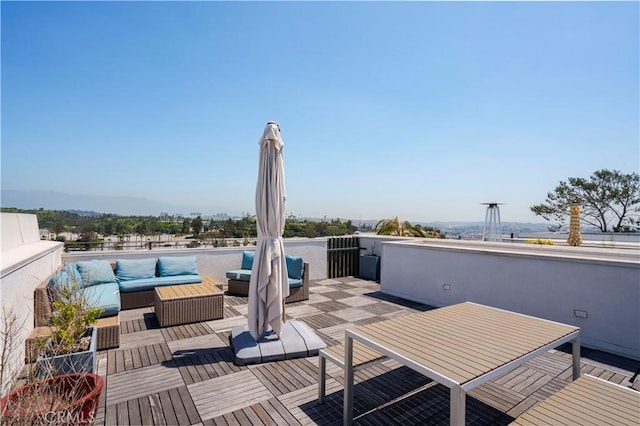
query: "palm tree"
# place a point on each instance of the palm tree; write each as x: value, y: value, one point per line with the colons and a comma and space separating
x: 404, y: 229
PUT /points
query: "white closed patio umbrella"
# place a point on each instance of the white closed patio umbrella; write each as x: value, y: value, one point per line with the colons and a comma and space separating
x: 269, y: 284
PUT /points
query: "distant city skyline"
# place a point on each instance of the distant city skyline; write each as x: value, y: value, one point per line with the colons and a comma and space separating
x: 421, y: 110
x: 131, y: 206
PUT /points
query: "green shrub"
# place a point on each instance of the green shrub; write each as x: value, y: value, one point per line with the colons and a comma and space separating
x: 71, y: 315
x: 541, y: 242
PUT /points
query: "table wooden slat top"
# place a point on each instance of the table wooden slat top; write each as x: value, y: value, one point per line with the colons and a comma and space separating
x: 586, y: 401
x: 361, y: 353
x: 464, y: 341
x: 206, y: 287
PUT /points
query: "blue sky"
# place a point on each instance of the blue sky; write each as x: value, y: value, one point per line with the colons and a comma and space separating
x: 421, y: 110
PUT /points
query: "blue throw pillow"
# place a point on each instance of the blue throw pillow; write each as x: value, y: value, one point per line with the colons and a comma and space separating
x: 72, y: 270
x: 295, y: 266
x: 171, y: 266
x: 247, y: 259
x: 135, y: 269
x: 65, y: 277
x: 95, y: 272
x: 59, y: 278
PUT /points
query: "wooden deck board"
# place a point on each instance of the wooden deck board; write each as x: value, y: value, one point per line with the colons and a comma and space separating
x: 262, y: 414
x: 167, y: 408
x: 123, y: 413
x: 146, y: 416
x: 133, y: 409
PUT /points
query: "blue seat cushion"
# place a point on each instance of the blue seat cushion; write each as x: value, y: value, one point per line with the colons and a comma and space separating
x: 172, y: 266
x: 150, y: 283
x: 135, y: 269
x: 247, y: 260
x: 95, y: 272
x: 239, y: 274
x: 105, y: 296
x: 295, y: 266
x: 294, y: 283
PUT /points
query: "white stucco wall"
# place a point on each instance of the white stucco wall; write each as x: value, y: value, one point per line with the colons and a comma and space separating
x: 547, y: 282
x: 215, y: 262
x: 371, y: 244
x: 25, y: 261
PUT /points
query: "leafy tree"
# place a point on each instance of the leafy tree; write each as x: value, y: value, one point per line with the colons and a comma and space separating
x: 142, y: 228
x: 56, y: 228
x: 610, y: 200
x: 405, y: 229
x: 196, y: 225
x: 185, y: 226
x: 217, y: 230
x: 108, y: 226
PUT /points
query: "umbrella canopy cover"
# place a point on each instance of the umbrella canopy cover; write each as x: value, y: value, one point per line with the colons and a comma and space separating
x: 269, y: 284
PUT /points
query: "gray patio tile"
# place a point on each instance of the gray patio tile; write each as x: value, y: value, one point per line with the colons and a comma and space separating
x: 242, y: 309
x: 149, y: 337
x: 320, y: 289
x: 134, y: 314
x: 329, y: 282
x: 353, y: 314
x: 317, y: 298
x: 337, y: 294
x: 343, y: 286
x: 361, y: 290
x: 226, y: 323
x: 300, y: 403
x: 228, y: 393
x: 323, y: 320
x: 331, y: 305
x: 336, y: 332
x: 142, y: 381
x: 356, y: 301
x: 381, y: 308
x: 189, y: 347
x: 394, y: 314
x: 301, y: 310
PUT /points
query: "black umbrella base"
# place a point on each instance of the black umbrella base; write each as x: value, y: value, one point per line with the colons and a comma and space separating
x: 297, y: 340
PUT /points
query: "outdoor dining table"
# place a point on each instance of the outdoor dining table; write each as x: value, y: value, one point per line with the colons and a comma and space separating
x: 460, y: 346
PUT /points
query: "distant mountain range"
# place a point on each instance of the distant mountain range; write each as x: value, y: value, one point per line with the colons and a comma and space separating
x: 51, y: 200
x: 131, y: 206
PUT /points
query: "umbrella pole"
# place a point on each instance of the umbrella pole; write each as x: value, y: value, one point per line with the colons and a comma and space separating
x: 284, y: 315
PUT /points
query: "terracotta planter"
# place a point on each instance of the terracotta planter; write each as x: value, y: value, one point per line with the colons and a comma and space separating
x: 65, y: 399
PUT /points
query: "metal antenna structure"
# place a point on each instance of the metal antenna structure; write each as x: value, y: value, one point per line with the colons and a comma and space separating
x: 492, y: 230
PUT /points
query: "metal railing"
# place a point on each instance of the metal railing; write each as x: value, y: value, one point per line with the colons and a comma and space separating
x: 71, y: 246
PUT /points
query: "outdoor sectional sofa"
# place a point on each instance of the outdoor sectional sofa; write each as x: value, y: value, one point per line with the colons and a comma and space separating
x: 137, y: 278
x: 298, y: 271
x: 124, y: 284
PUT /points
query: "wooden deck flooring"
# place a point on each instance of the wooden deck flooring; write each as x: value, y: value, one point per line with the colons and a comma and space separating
x: 184, y: 375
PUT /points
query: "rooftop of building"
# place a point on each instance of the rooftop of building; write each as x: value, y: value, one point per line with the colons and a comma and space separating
x: 185, y: 374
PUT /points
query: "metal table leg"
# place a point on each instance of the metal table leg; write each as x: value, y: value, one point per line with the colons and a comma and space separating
x: 347, y: 415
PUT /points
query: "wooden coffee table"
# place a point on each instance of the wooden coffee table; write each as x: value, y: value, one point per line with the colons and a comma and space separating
x: 182, y: 304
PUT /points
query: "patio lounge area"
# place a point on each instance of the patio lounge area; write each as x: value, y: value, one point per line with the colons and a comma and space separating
x: 185, y: 374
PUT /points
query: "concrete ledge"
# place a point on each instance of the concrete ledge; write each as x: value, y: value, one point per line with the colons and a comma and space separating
x: 17, y: 257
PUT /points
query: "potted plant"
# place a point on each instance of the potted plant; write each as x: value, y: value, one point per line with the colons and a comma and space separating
x: 52, y: 399
x: 72, y: 345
